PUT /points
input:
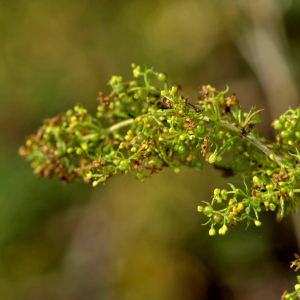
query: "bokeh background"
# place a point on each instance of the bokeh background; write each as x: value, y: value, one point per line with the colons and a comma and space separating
x: 129, y: 240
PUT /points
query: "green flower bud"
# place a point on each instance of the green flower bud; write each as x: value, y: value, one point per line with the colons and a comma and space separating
x: 200, y: 208
x: 269, y: 173
x: 217, y: 192
x: 225, y: 228
x: 198, y: 165
x: 224, y: 194
x: 88, y: 175
x: 272, y: 207
x: 271, y: 156
x: 174, y: 89
x: 240, y: 207
x: 70, y: 150
x: 163, y: 93
x: 212, y: 232
x: 162, y: 77
x: 85, y: 146
x: 124, y: 165
x: 222, y: 231
x: 283, y: 190
x: 207, y: 210
x: 278, y: 125
x: 201, y: 129
x: 181, y: 150
x: 95, y: 183
x: 212, y: 159
x: 219, y: 199
x: 257, y: 223
x: 69, y: 113
x: 285, y: 134
x: 172, y: 130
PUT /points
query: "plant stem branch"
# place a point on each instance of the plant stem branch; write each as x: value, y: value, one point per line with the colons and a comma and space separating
x: 250, y: 138
x: 223, y: 124
x: 119, y: 125
x: 277, y: 192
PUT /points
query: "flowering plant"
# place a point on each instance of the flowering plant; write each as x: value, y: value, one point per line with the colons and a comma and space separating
x: 141, y: 128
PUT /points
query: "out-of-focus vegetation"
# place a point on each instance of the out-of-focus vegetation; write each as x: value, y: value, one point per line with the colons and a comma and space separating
x: 130, y: 240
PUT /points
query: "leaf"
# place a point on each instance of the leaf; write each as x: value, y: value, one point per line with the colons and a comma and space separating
x: 246, y: 187
x: 240, y: 117
x: 287, y: 163
x: 206, y: 222
x: 248, y: 223
x: 232, y: 187
x: 256, y: 214
x: 226, y: 91
x: 252, y: 110
x: 282, y: 205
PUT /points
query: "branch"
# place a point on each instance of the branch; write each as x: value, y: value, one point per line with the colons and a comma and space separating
x: 250, y: 138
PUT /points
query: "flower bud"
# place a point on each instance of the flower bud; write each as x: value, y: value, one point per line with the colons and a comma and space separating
x: 200, y: 208
x: 297, y: 287
x: 95, y: 183
x: 212, y: 232
x: 224, y: 194
x: 217, y: 192
x: 225, y: 228
x: 163, y: 93
x: 257, y: 223
x: 221, y: 231
x: 212, y: 159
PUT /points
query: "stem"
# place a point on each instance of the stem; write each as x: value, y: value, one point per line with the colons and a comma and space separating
x: 120, y: 125
x: 277, y: 192
x: 250, y: 138
x: 223, y: 124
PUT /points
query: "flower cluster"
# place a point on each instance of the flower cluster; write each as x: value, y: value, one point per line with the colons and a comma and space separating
x: 163, y: 130
x: 140, y: 128
x: 145, y: 125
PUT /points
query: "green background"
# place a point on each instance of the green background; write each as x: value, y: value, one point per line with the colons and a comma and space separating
x: 129, y: 240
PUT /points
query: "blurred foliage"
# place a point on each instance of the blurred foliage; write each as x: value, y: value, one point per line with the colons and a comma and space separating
x: 130, y: 240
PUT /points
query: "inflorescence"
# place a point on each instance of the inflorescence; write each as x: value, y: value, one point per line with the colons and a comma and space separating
x: 141, y: 128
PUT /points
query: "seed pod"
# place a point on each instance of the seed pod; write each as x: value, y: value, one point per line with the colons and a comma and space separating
x: 207, y: 210
x: 162, y: 76
x: 217, y: 218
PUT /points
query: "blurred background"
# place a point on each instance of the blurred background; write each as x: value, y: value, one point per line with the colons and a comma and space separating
x: 129, y: 240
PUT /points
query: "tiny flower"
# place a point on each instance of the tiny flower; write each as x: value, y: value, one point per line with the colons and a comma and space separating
x: 257, y: 223
x: 212, y: 232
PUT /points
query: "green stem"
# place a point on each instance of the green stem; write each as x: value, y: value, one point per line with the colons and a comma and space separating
x: 223, y: 124
x: 250, y: 138
x: 278, y: 192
